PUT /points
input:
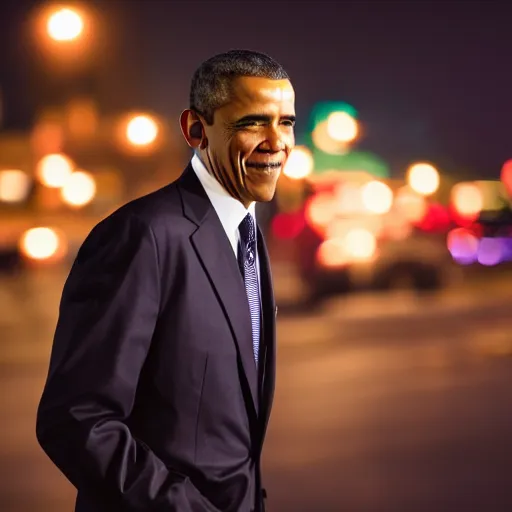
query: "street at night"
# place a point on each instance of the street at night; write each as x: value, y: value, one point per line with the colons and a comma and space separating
x: 364, y: 147
x: 383, y: 402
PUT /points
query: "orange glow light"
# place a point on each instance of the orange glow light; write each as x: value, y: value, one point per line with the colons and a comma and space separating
x: 299, y: 164
x: 331, y: 253
x: 65, y: 24
x: 142, y: 130
x: 53, y: 170
x: 14, y: 186
x: 360, y: 244
x: 342, y: 127
x: 423, y: 178
x: 467, y: 200
x: 377, y: 197
x: 42, y: 244
x: 320, y: 210
x: 79, y: 189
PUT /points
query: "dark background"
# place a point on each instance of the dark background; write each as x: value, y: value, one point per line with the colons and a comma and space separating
x: 430, y: 79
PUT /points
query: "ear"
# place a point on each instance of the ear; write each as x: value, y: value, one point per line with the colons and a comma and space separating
x: 193, y: 129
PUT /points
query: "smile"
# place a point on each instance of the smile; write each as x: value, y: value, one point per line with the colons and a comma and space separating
x: 264, y: 166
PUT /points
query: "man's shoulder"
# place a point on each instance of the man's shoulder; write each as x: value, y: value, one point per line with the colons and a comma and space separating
x: 159, y: 212
x: 155, y: 206
x: 160, y: 207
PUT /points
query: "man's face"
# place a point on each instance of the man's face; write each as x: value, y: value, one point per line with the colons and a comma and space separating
x: 251, y: 138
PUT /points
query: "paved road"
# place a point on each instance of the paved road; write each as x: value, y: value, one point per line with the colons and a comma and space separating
x: 384, y: 403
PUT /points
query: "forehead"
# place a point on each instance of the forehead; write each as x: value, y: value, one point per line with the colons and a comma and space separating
x: 255, y: 93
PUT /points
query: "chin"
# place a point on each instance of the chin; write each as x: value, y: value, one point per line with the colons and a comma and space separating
x: 264, y: 196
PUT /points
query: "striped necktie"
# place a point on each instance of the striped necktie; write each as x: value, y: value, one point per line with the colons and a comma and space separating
x: 247, y: 262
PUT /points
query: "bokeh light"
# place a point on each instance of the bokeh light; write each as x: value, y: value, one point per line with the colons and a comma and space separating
x: 331, y: 253
x: 323, y: 140
x: 141, y: 130
x: 377, y: 197
x: 79, y: 189
x: 423, y: 178
x: 342, y: 127
x: 14, y: 186
x: 360, y: 244
x: 65, y: 24
x: 286, y: 226
x: 299, y: 164
x: 54, y: 170
x: 436, y: 218
x: 39, y: 243
x: 349, y: 198
x: 491, y: 251
x: 467, y: 200
x: 357, y: 245
x: 463, y: 246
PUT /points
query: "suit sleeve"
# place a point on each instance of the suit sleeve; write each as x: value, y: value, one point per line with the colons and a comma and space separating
x: 107, y: 316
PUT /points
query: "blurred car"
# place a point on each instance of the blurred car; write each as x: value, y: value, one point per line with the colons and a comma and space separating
x: 359, y: 233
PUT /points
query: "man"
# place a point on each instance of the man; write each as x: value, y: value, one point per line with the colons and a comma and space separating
x: 163, y: 365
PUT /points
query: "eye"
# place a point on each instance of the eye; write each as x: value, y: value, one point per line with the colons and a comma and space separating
x: 289, y: 123
x: 250, y: 124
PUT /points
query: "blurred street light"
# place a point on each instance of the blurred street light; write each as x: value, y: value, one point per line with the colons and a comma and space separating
x: 300, y: 163
x: 423, y: 178
x: 79, y: 189
x: 360, y: 244
x: 342, y: 127
x: 67, y: 37
x: 141, y: 130
x: 467, y: 199
x: 336, y: 134
x: 65, y: 24
x: 377, y: 197
x: 53, y: 170
x: 40, y: 243
x: 331, y: 253
x: 14, y: 186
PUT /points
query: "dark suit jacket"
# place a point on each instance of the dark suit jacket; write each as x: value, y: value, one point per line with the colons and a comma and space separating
x: 153, y: 399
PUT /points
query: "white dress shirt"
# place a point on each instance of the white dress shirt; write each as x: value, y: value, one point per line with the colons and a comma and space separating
x: 230, y: 211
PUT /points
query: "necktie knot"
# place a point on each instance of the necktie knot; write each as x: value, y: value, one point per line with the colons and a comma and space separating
x: 246, y: 229
x: 248, y: 239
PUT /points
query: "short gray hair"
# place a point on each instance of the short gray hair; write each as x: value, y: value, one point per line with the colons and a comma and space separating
x: 211, y: 83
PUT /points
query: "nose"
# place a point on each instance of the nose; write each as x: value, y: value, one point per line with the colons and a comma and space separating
x: 273, y: 142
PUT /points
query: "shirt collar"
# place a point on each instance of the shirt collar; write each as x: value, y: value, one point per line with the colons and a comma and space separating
x: 230, y: 211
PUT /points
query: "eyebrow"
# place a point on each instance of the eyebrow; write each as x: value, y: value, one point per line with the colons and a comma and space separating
x: 261, y: 118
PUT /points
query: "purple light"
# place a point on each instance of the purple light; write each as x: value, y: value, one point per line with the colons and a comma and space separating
x: 491, y: 251
x: 463, y: 246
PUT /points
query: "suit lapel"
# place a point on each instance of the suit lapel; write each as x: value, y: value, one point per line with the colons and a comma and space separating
x: 269, y: 326
x: 216, y: 255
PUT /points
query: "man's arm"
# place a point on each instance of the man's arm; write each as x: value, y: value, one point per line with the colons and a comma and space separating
x: 108, y: 313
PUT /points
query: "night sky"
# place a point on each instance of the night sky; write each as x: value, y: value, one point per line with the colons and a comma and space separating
x: 430, y: 79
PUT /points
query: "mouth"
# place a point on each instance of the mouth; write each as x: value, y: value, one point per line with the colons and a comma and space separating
x: 266, y: 167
